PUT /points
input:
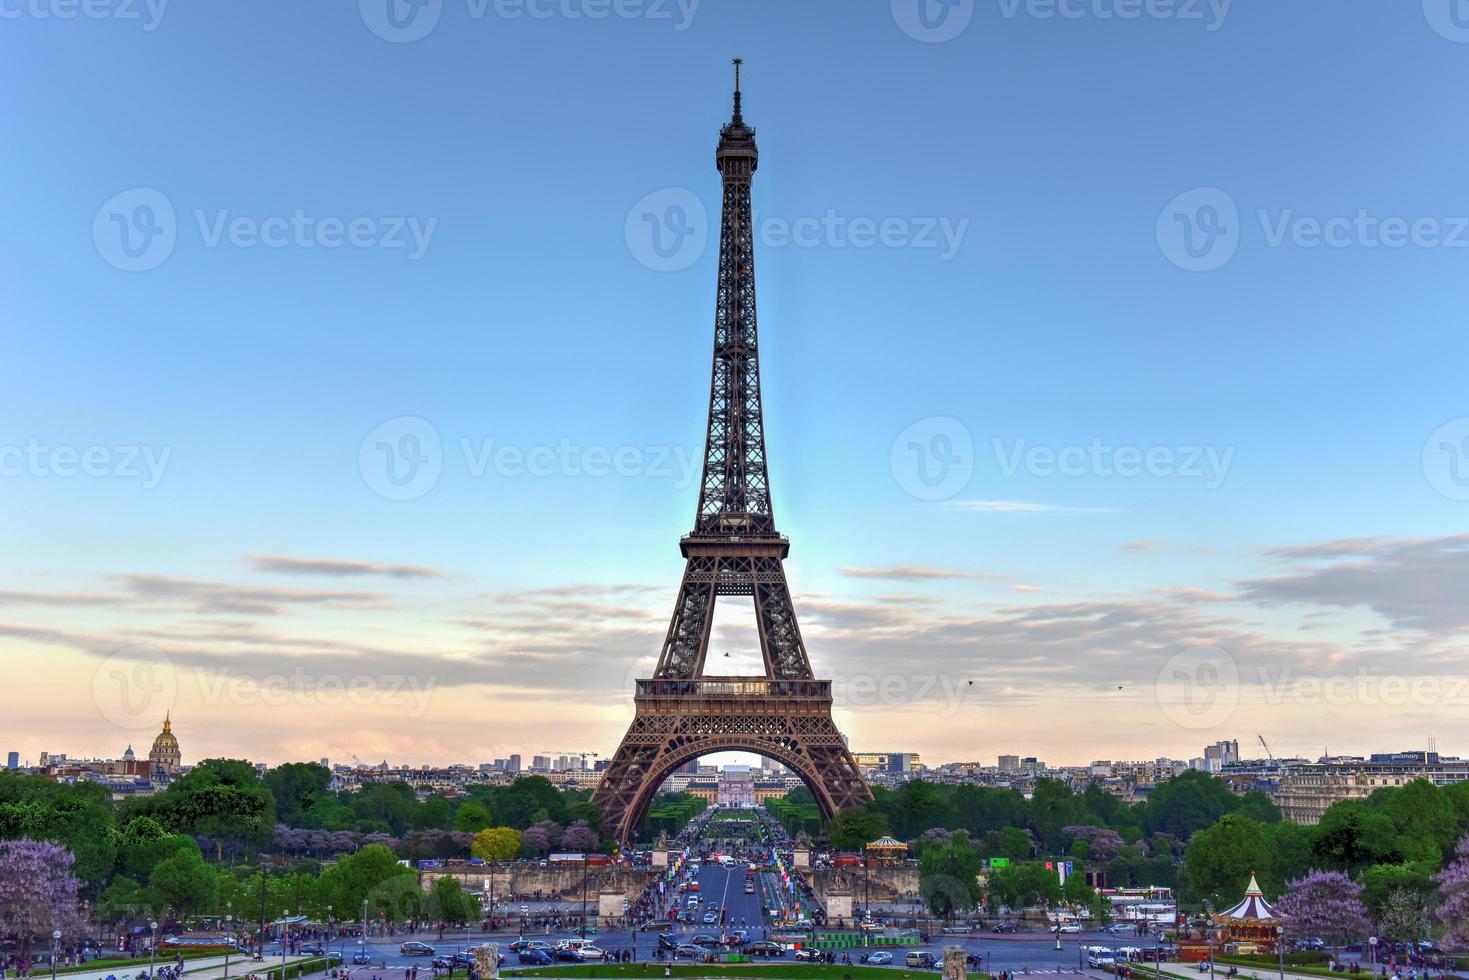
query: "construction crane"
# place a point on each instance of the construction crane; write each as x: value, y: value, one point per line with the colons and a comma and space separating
x: 1266, y: 746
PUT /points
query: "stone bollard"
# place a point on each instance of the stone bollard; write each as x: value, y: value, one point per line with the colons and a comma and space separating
x: 954, y: 963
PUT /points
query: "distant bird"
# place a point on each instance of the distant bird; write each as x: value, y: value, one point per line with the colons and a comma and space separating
x: 971, y: 683
x: 726, y: 653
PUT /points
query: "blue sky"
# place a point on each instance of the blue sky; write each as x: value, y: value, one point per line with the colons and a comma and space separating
x: 1066, y: 155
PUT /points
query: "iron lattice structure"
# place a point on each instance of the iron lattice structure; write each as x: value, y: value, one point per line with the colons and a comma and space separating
x: 734, y: 550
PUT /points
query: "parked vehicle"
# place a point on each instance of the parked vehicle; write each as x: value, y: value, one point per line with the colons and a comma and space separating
x: 690, y: 952
x: 415, y: 948
x: 535, y: 957
x: 920, y: 959
x: 765, y: 949
x: 567, y: 955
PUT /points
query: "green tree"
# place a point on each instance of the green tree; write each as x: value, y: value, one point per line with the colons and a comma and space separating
x: 372, y: 873
x: 184, y: 883
x: 1351, y: 836
x: 297, y: 787
x: 471, y: 817
x: 948, y: 875
x: 853, y: 828
x: 496, y: 844
x: 1024, y: 884
x: 1187, y: 803
x: 1219, y: 859
x: 222, y: 799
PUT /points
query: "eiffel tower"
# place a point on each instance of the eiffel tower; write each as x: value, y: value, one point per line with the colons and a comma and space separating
x: 681, y: 712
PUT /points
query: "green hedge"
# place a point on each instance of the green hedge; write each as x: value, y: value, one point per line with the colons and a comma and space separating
x: 305, y: 967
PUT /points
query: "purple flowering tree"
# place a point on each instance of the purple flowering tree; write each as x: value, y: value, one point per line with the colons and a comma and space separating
x: 1102, y: 843
x: 38, y: 891
x: 1326, y: 904
x: 579, y: 836
x: 542, y: 836
x: 1453, y: 891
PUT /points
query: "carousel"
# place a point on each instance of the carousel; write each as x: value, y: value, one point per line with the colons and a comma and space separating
x: 1250, y: 926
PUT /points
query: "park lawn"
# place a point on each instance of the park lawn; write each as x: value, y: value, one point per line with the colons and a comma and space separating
x: 772, y: 971
x: 165, y: 957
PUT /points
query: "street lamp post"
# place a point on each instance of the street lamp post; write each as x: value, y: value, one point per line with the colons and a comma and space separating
x: 1209, y: 933
x: 229, y: 927
x: 1280, y: 948
x: 583, y: 896
x: 1372, y: 951
x: 152, y: 946
x: 285, y: 914
x: 55, y: 950
x: 331, y: 923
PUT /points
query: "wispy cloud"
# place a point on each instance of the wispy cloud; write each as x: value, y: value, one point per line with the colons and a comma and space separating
x: 1416, y: 584
x: 222, y: 597
x: 1020, y: 507
x: 339, y: 567
x: 910, y: 573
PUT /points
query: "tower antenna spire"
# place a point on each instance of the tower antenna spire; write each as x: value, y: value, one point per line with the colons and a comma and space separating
x: 737, y: 116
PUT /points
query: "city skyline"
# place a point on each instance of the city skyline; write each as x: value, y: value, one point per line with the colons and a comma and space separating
x: 324, y: 448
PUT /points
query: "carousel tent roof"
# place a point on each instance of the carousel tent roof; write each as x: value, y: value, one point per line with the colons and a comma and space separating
x: 1253, y: 906
x: 888, y: 842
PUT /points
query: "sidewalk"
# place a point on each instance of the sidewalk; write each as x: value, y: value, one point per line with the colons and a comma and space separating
x: 204, y: 968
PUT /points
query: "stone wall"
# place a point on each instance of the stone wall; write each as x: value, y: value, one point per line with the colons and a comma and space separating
x: 528, y: 881
x: 887, y: 884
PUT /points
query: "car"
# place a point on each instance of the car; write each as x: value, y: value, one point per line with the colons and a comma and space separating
x: 1069, y: 927
x: 710, y: 918
x: 765, y: 949
x: 312, y: 949
x: 881, y: 958
x: 921, y: 959
x: 443, y: 963
x: 687, y: 951
x: 535, y: 957
x: 749, y: 888
x: 591, y: 952
x: 521, y: 945
x: 568, y: 955
x: 667, y: 941
x: 1003, y: 927
x: 463, y: 958
x: 807, y: 955
x: 415, y: 948
x: 706, y: 941
x: 361, y: 958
